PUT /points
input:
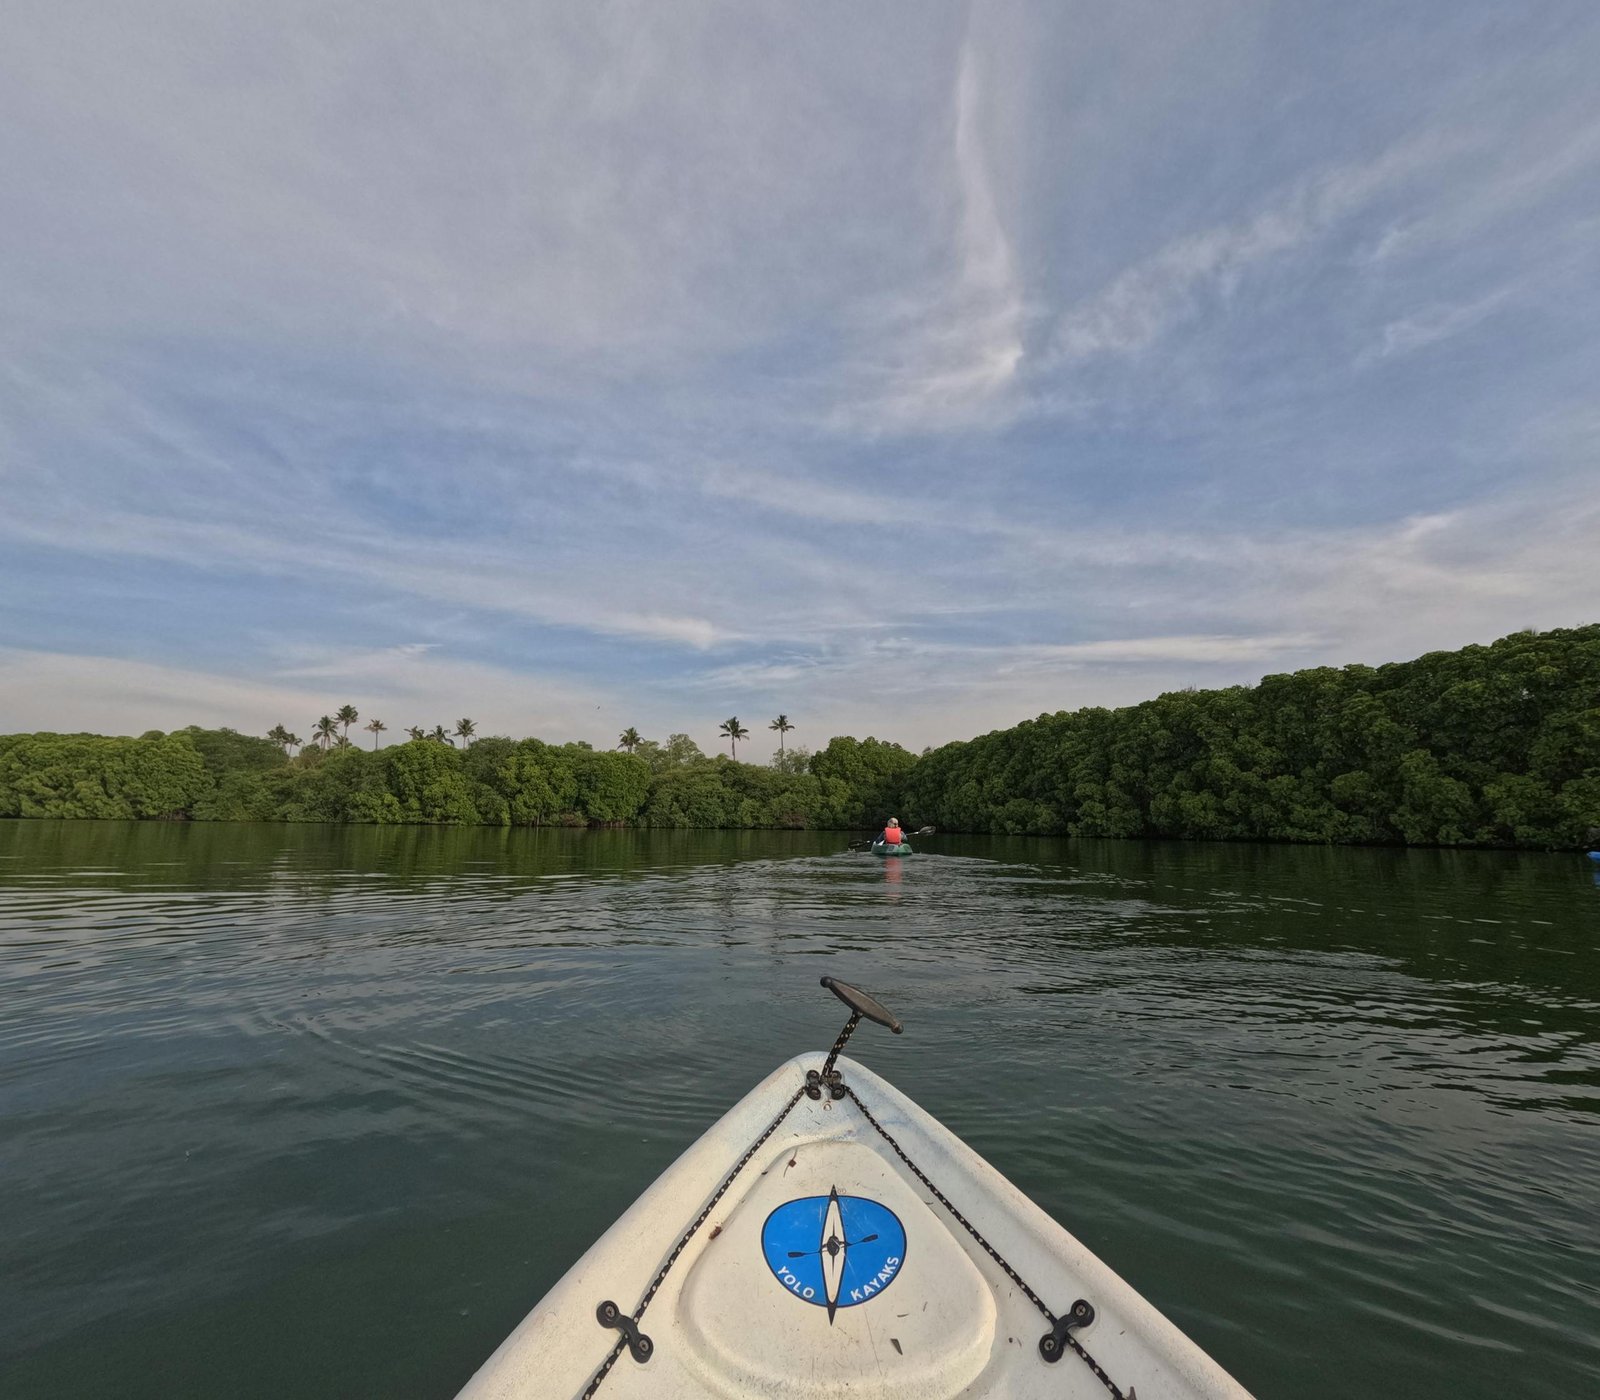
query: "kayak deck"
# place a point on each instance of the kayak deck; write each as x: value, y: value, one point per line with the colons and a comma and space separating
x: 827, y: 1268
x: 883, y: 848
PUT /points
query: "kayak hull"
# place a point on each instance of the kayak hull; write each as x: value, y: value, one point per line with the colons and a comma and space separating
x: 907, y: 1306
x: 883, y: 848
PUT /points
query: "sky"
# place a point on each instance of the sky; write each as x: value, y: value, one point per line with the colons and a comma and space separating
x: 909, y: 370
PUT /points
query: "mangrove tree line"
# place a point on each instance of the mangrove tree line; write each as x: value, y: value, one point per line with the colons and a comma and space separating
x: 1489, y: 745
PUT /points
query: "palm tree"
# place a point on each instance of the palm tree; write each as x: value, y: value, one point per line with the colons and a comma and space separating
x: 343, y: 742
x: 735, y: 732
x: 782, y: 725
x: 279, y: 736
x: 416, y: 731
x: 291, y: 741
x: 465, y: 729
x: 375, y: 727
x: 629, y: 739
x: 441, y: 735
x: 347, y: 716
x: 323, y: 730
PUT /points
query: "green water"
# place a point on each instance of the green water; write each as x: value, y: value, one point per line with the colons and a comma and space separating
x: 323, y: 1111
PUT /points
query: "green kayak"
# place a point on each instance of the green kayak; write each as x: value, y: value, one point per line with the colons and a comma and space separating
x: 883, y: 848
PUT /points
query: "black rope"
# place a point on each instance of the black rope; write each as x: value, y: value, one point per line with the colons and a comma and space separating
x: 838, y: 1045
x: 699, y: 1220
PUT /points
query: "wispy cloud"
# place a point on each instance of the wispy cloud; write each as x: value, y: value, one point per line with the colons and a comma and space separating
x: 70, y: 693
x: 1437, y: 323
x: 1514, y: 174
x: 1206, y: 650
x: 957, y: 343
x: 1147, y: 299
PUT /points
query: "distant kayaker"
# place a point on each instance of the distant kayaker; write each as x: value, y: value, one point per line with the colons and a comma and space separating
x: 892, y: 835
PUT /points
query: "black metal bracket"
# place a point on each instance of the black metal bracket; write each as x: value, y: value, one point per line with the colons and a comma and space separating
x: 610, y: 1315
x: 1053, y: 1345
x: 824, y: 1079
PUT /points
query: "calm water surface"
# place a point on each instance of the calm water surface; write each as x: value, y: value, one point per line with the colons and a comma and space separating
x: 323, y: 1111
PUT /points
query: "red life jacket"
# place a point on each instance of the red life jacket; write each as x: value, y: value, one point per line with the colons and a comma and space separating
x: 892, y: 836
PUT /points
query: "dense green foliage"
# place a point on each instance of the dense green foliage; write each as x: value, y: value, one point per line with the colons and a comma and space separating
x: 220, y: 775
x: 1490, y: 745
x: 1496, y: 745
x: 872, y: 774
x: 85, y: 775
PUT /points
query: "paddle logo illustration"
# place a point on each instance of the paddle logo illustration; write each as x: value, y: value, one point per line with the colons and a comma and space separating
x: 835, y: 1251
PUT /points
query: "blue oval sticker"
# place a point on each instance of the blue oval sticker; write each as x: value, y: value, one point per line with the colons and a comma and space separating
x: 834, y: 1251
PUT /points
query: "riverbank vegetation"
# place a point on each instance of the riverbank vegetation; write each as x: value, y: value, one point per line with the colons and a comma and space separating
x: 220, y: 775
x: 1490, y: 745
